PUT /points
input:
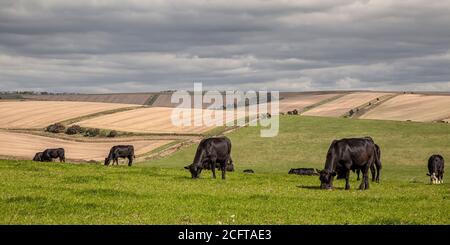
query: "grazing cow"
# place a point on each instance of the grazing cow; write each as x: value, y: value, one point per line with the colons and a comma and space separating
x: 304, y: 171
x: 249, y: 171
x: 50, y: 154
x: 120, y: 151
x: 375, y: 168
x: 209, y: 152
x: 436, y: 169
x: 345, y: 155
x: 289, y: 112
x: 38, y: 157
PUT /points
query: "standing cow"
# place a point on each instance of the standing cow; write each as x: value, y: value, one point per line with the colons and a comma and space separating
x: 50, y: 154
x: 375, y: 168
x: 209, y: 152
x: 120, y: 151
x: 345, y: 155
x: 436, y: 169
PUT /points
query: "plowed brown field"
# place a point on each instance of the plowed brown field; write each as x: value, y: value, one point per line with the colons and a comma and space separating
x: 26, y: 145
x: 343, y: 104
x: 39, y: 114
x: 414, y: 107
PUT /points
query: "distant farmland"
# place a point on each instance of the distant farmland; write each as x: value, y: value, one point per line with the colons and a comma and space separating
x: 342, y: 105
x: 132, y: 98
x: 24, y: 146
x: 414, y: 107
x: 39, y: 114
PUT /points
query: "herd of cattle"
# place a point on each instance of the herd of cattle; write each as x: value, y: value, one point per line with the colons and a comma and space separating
x: 345, y: 155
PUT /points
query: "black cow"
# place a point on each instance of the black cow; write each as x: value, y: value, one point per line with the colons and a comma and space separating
x: 436, y: 169
x: 120, y: 151
x: 209, y: 152
x: 38, y: 157
x: 50, y: 154
x: 304, y: 171
x: 375, y: 168
x: 345, y: 155
x: 249, y: 171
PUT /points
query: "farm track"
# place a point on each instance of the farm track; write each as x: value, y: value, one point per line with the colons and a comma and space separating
x: 363, y: 109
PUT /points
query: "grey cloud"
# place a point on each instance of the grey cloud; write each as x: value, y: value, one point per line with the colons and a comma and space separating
x: 106, y: 46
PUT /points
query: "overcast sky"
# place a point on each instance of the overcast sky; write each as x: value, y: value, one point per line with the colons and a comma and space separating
x: 136, y: 46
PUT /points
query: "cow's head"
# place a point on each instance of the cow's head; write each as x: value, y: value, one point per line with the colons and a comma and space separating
x: 107, y: 161
x: 230, y: 167
x: 433, y: 178
x: 195, y: 170
x: 326, y: 179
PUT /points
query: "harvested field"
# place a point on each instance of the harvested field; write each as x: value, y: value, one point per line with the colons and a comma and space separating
x: 24, y: 146
x: 299, y: 101
x: 148, y: 120
x: 125, y: 98
x: 339, y: 107
x: 414, y: 107
x: 39, y: 114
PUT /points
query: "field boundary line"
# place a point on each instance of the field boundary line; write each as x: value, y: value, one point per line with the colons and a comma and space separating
x: 364, y: 108
x: 322, y: 102
x: 83, y: 139
x: 98, y: 114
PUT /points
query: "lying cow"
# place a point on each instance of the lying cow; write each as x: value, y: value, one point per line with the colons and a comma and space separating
x: 304, y: 171
x: 38, y: 157
x: 50, y: 154
x: 375, y: 168
x: 436, y: 169
x: 209, y: 152
x: 345, y: 155
x: 120, y: 151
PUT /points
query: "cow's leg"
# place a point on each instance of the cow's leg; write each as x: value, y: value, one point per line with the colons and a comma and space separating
x: 130, y: 161
x: 347, y: 179
x: 213, y: 169
x: 224, y: 169
x: 357, y: 174
x: 373, y: 171
x: 365, y: 180
x: 378, y: 174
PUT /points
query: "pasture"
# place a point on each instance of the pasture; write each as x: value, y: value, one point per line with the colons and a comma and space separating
x: 161, y: 191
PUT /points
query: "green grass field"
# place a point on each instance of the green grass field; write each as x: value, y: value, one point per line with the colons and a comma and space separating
x: 161, y: 191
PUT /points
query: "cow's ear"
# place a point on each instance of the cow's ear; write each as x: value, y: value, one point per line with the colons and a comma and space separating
x: 428, y: 175
x: 318, y: 170
x: 186, y: 167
